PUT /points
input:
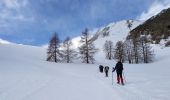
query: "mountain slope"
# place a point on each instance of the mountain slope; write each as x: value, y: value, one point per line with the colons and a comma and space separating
x: 113, y: 32
x: 157, y: 26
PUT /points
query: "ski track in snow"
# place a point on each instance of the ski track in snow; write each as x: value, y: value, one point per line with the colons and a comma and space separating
x: 132, y: 94
x: 124, y: 93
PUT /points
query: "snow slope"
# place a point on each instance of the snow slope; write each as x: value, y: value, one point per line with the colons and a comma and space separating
x: 116, y: 32
x: 25, y: 75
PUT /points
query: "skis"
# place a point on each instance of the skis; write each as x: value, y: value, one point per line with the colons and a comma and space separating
x: 117, y: 83
x: 120, y: 84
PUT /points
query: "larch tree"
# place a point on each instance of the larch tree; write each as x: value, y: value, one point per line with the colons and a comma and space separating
x: 87, y: 48
x: 147, y: 53
x: 53, y: 52
x: 109, y: 50
x: 69, y: 54
x: 136, y: 48
x: 119, y: 53
x: 128, y: 46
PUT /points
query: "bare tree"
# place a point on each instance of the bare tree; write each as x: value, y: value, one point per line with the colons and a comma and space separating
x: 109, y: 49
x: 146, y: 50
x: 68, y: 53
x: 53, y: 52
x: 119, y: 53
x: 87, y: 49
x: 136, y: 47
x: 128, y: 46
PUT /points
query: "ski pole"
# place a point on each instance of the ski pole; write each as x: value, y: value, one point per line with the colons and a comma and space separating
x: 124, y: 77
x: 112, y: 78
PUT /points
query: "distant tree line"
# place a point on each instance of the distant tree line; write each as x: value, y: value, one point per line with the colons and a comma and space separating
x: 128, y: 51
x: 135, y: 49
x: 63, y: 52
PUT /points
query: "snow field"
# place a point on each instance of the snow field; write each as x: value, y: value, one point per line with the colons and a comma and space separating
x: 25, y: 75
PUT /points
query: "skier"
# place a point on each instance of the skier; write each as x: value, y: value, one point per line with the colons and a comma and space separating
x: 106, y: 69
x: 119, y: 69
x: 101, y: 68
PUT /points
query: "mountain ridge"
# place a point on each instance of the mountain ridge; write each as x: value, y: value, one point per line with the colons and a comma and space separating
x: 157, y: 26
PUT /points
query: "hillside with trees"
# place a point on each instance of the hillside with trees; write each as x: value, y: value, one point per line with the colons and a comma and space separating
x: 157, y: 26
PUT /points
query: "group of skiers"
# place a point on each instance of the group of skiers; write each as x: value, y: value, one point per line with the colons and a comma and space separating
x: 104, y: 69
x: 118, y: 68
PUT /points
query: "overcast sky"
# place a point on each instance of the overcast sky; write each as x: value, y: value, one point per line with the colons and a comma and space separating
x: 34, y: 21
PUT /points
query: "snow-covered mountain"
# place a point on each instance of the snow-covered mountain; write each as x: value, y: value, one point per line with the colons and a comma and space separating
x: 114, y: 32
x: 158, y: 27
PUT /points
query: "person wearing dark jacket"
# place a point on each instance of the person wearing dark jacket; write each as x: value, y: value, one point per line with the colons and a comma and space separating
x: 119, y: 69
x: 106, y: 69
x: 101, y: 68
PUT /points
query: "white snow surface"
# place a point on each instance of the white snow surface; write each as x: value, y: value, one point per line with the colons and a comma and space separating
x: 25, y: 75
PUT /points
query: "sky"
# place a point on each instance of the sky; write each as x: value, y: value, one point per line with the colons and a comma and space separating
x: 33, y: 22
